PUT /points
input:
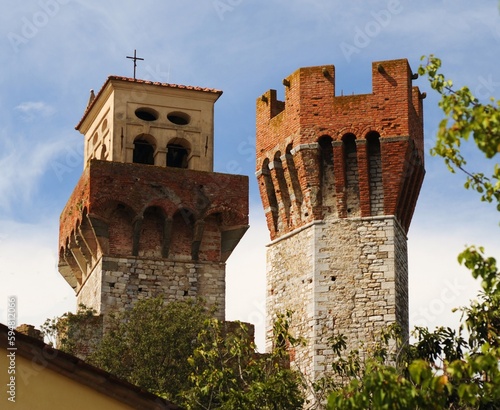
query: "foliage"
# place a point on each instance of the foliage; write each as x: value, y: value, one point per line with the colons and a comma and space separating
x: 443, y: 369
x: 69, y: 330
x: 466, y: 117
x: 178, y: 351
x: 149, y: 345
x: 228, y: 373
x: 440, y: 370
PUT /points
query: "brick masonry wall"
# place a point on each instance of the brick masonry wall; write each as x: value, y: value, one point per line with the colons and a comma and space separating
x: 137, y: 210
x: 310, y: 112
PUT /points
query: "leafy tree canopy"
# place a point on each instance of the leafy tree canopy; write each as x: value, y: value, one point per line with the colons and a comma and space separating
x: 149, y: 345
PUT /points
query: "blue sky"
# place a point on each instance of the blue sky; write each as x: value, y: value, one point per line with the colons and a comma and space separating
x: 55, y: 51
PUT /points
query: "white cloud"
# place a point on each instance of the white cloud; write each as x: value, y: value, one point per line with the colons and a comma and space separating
x: 23, y: 162
x: 29, y: 271
x: 32, y: 110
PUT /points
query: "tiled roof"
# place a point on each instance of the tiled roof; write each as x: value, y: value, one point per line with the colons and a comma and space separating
x: 138, y: 81
x: 186, y: 87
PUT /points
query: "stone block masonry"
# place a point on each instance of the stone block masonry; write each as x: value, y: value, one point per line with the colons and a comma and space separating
x: 339, y: 178
x: 339, y: 276
x: 116, y: 283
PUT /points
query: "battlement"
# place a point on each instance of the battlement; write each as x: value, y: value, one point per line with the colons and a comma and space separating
x: 312, y: 108
x: 353, y: 156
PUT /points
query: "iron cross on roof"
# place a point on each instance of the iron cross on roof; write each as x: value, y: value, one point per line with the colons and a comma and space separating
x: 135, y: 58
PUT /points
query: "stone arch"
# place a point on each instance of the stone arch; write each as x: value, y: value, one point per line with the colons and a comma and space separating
x: 327, y: 173
x: 270, y: 193
x: 226, y: 215
x: 345, y: 131
x: 152, y: 232
x: 375, y: 173
x: 178, y: 153
x: 144, y: 149
x: 351, y: 175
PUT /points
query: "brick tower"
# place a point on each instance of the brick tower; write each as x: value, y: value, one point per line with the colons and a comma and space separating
x: 149, y: 216
x: 339, y: 178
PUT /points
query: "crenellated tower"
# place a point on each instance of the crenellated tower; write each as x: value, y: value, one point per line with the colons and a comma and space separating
x: 339, y: 178
x: 148, y: 216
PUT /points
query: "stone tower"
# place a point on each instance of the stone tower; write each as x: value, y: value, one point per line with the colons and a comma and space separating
x: 149, y: 216
x: 339, y: 178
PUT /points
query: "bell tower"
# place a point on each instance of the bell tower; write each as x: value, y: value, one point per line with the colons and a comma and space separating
x: 149, y: 217
x: 339, y: 178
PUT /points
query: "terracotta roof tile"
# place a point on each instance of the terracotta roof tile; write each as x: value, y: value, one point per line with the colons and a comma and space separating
x: 139, y: 81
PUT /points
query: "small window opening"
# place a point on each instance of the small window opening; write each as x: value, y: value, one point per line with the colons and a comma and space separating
x: 146, y: 114
x: 179, y: 118
x: 177, y: 156
x: 143, y: 152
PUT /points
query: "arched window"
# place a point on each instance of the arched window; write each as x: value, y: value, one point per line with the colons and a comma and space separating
x: 103, y: 152
x: 143, y: 151
x: 178, y: 153
x: 177, y: 156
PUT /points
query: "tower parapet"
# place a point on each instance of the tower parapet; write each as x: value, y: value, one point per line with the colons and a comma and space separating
x: 365, y: 150
x: 339, y: 178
